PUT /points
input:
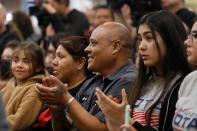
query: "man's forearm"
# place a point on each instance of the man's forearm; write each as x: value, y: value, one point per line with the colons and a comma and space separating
x: 83, y: 119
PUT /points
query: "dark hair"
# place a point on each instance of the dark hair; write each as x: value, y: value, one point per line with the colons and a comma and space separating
x: 5, y: 71
x: 66, y: 2
x: 12, y: 44
x: 52, y: 40
x: 173, y: 34
x: 195, y: 19
x: 35, y: 53
x: 104, y: 7
x: 75, y: 45
x: 137, y: 7
x: 101, y: 7
x: 23, y: 22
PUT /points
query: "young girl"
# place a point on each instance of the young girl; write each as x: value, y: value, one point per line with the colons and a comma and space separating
x: 22, y: 104
x: 185, y: 118
x: 162, y: 66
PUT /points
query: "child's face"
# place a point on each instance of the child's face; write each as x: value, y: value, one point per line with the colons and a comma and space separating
x: 21, y: 66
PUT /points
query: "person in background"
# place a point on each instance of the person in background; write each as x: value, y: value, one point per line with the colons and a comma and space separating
x: 9, y: 49
x: 5, y: 73
x: 90, y: 14
x: 4, y: 126
x: 138, y: 8
x: 21, y: 101
x: 6, y: 34
x: 109, y: 55
x: 51, y: 46
x: 186, y: 111
x: 177, y: 7
x: 65, y: 20
x: 102, y: 14
x: 153, y: 98
x: 22, y: 22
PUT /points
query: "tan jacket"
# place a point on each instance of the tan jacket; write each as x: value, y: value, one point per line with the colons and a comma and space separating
x: 21, y: 102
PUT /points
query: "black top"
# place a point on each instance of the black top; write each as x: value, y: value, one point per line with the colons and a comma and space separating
x: 5, y: 37
x: 48, y: 126
x: 186, y: 16
x: 75, y: 23
x: 74, y: 91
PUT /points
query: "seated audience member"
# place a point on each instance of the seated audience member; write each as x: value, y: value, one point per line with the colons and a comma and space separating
x: 9, y: 49
x: 63, y: 19
x: 177, y: 7
x: 161, y: 38
x: 5, y: 73
x: 6, y: 33
x: 102, y: 14
x: 69, y: 66
x: 109, y: 54
x: 21, y: 101
x: 23, y: 24
x: 51, y: 46
x: 186, y: 111
x: 3, y: 122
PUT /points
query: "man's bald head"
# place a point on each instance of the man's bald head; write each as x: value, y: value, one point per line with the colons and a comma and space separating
x: 115, y: 31
x: 109, y: 48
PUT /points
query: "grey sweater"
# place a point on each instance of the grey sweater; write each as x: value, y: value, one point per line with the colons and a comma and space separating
x: 3, y: 122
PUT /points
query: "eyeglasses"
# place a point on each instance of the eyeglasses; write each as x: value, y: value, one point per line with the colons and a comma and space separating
x: 192, y: 36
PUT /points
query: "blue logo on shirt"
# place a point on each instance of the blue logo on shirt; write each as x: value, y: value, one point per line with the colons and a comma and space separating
x: 184, y: 121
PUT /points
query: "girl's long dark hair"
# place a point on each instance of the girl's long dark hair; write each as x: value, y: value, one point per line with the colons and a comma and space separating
x: 173, y: 34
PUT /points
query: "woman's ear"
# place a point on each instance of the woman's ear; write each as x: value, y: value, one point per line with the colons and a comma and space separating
x: 81, y: 63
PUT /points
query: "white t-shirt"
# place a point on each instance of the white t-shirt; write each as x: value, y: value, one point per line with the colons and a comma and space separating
x: 149, y: 95
x: 185, y: 118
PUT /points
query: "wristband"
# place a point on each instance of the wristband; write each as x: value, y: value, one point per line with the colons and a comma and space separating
x: 70, y: 101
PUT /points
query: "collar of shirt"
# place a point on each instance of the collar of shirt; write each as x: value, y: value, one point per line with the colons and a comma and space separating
x: 118, y: 73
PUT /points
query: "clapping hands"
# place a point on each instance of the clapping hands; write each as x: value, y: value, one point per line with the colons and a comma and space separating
x: 51, y: 91
x: 113, y: 111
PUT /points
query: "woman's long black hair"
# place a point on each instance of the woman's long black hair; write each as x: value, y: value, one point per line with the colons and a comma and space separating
x: 173, y: 34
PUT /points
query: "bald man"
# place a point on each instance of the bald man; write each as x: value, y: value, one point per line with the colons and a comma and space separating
x: 109, y: 54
